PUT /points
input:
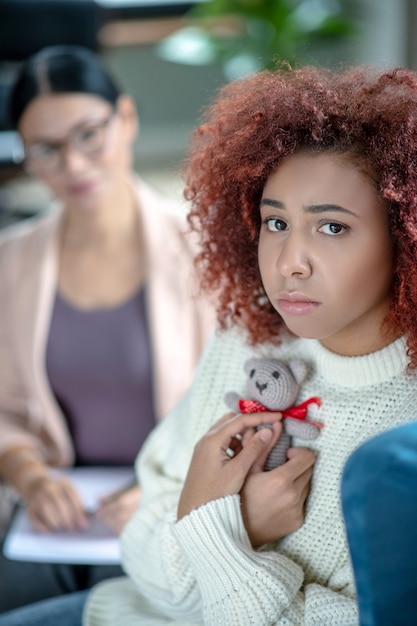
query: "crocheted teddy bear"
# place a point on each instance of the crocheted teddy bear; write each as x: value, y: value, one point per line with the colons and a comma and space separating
x: 273, y: 386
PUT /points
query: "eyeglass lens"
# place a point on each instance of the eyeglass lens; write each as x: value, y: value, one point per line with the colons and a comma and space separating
x: 87, y: 138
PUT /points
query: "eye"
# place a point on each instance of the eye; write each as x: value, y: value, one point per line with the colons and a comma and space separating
x: 333, y: 228
x: 275, y: 374
x: 87, y: 135
x: 252, y: 373
x: 40, y: 151
x: 274, y: 224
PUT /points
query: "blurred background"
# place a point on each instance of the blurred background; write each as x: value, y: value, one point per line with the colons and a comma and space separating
x: 171, y: 56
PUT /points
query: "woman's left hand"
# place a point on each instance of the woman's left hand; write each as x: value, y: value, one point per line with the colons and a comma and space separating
x: 116, y: 512
x: 220, y: 464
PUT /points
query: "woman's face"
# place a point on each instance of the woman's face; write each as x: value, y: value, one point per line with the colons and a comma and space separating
x: 325, y: 253
x: 79, y: 145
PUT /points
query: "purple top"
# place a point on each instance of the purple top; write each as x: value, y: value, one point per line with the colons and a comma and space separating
x: 100, y: 369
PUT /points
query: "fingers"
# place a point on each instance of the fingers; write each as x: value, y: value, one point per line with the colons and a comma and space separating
x: 258, y: 447
x: 54, y: 504
x: 70, y: 508
x: 232, y: 424
x: 220, y: 465
x: 66, y: 508
x: 259, y: 464
x: 300, y: 459
x: 37, y: 524
x: 117, y: 512
x: 222, y: 420
x: 304, y: 493
x: 298, y: 469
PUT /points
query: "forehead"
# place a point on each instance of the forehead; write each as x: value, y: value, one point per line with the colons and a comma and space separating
x: 321, y: 178
x: 52, y: 116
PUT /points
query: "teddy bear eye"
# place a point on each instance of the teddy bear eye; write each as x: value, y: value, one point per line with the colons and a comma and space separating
x: 252, y: 373
x: 275, y: 374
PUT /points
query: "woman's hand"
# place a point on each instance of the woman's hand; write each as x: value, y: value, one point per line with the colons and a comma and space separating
x: 273, y: 502
x: 115, y: 512
x: 53, y: 504
x: 220, y: 464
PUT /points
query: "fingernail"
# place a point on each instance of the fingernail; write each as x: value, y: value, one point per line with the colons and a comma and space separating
x: 265, y: 434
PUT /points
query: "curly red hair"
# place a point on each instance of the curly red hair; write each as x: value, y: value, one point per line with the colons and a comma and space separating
x: 367, y: 115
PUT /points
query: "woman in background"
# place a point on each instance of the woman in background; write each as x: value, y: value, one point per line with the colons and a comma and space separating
x: 100, y: 330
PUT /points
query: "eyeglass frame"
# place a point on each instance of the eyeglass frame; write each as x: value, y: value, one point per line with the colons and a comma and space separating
x: 58, y: 147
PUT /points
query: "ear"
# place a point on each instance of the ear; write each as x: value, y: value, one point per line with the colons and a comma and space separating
x: 250, y: 364
x: 126, y: 108
x: 298, y: 369
x: 231, y: 400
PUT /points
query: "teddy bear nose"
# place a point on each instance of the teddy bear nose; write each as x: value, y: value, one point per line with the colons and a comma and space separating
x: 261, y: 386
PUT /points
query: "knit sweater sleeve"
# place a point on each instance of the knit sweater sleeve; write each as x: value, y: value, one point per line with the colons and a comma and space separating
x: 203, y: 569
x: 241, y: 585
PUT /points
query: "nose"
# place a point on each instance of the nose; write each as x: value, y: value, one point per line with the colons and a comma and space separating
x: 293, y: 256
x: 261, y: 386
x: 72, y: 160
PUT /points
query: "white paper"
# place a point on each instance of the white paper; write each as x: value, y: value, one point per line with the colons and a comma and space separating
x: 93, y: 545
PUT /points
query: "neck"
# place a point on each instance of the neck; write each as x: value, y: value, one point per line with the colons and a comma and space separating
x: 376, y: 339
x: 115, y: 220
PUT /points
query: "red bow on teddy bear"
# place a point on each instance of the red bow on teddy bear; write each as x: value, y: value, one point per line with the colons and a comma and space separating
x: 298, y: 412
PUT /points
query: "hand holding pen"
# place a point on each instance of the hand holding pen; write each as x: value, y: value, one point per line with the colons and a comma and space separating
x: 116, y: 509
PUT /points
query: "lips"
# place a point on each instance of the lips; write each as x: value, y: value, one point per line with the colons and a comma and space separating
x: 296, y: 304
x: 82, y: 186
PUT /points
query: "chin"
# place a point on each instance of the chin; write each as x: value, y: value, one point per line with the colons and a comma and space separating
x: 87, y: 202
x: 305, y: 331
x: 90, y: 207
x: 308, y: 335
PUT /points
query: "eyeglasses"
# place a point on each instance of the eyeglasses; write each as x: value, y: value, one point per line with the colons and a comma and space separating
x: 88, y: 138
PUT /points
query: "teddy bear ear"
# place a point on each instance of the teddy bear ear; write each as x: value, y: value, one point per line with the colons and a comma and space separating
x: 298, y: 369
x: 231, y: 400
x: 250, y: 364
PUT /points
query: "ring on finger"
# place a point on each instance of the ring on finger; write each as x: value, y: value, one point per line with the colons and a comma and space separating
x: 230, y: 453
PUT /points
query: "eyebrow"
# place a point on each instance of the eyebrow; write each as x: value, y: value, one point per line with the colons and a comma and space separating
x: 311, y: 208
x: 88, y: 121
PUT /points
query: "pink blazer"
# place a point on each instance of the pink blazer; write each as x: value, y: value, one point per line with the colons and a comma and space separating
x: 179, y: 322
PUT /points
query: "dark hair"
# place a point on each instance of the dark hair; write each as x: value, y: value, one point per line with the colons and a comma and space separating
x: 60, y: 69
x: 369, y: 117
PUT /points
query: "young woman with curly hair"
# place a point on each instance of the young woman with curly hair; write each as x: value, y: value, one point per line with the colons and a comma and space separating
x: 303, y: 190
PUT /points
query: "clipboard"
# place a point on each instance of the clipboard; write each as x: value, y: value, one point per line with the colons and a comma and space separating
x: 95, y: 545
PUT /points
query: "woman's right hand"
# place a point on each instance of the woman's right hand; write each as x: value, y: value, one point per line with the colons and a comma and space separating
x: 273, y: 502
x: 53, y: 504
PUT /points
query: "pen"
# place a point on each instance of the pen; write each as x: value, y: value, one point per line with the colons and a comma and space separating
x: 118, y: 492
x: 113, y: 496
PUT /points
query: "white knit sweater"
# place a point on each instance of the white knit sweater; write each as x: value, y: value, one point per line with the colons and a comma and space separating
x: 203, y: 570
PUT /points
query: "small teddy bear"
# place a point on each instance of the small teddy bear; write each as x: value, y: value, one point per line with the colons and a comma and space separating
x: 273, y: 385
